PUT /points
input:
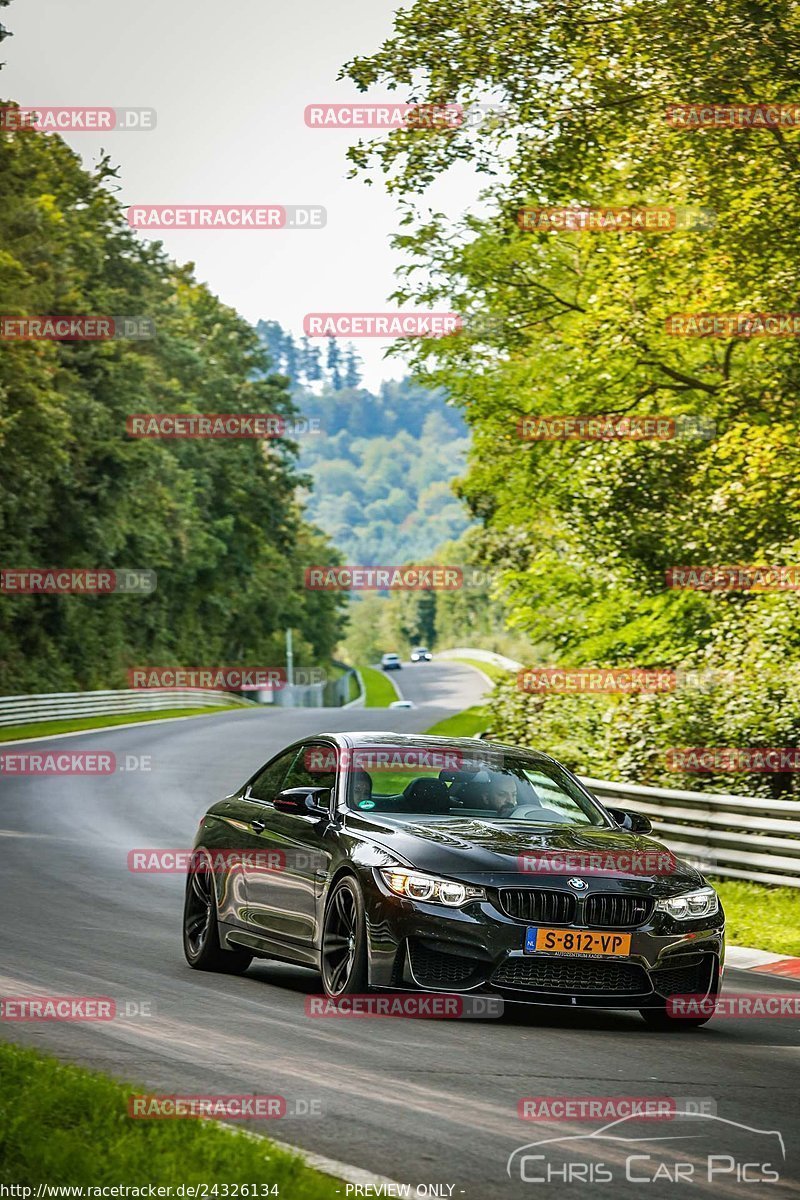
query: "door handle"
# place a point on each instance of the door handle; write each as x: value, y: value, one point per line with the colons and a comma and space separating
x: 258, y: 826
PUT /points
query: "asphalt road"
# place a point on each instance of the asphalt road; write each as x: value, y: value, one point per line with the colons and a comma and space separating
x: 420, y: 1101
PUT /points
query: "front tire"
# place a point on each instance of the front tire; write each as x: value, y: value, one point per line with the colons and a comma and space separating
x: 201, y: 945
x: 344, y: 941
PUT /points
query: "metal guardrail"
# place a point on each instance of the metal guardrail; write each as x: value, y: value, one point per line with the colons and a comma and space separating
x: 63, y: 706
x: 738, y: 837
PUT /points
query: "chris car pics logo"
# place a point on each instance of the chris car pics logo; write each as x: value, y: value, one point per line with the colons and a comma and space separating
x: 698, y: 1148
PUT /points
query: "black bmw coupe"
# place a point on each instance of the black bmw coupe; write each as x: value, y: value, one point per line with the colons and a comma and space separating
x: 414, y: 863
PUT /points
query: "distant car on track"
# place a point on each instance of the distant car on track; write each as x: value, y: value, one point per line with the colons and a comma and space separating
x: 409, y: 862
x: 421, y: 654
x: 391, y: 662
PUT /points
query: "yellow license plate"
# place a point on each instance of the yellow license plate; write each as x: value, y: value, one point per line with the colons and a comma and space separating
x: 578, y: 941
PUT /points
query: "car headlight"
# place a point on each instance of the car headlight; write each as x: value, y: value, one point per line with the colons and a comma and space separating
x: 701, y: 903
x: 413, y: 886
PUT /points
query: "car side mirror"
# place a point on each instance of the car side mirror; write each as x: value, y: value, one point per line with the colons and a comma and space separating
x: 633, y: 822
x: 304, y: 801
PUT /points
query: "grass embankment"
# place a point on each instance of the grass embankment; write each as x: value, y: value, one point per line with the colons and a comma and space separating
x: 13, y: 733
x: 64, y: 1125
x: 767, y: 918
x: 468, y: 723
x: 380, y: 692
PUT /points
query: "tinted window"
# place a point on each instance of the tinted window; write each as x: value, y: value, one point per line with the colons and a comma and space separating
x: 314, y: 766
x: 267, y: 785
x: 521, y: 790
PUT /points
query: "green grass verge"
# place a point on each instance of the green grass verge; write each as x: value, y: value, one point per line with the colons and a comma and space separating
x: 64, y: 1125
x: 468, y: 723
x: 491, y: 669
x: 11, y: 733
x: 379, y: 690
x: 767, y: 918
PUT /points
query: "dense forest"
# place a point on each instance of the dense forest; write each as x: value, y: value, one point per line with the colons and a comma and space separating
x: 218, y: 521
x: 577, y: 323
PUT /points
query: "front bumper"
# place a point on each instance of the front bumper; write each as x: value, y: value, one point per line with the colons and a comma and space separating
x: 479, y: 949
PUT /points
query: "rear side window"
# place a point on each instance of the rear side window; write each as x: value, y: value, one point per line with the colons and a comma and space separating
x: 266, y: 786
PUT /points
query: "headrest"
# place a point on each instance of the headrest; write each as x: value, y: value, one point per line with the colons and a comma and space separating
x: 426, y: 795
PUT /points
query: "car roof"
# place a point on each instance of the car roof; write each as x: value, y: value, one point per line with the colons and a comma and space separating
x: 382, y: 737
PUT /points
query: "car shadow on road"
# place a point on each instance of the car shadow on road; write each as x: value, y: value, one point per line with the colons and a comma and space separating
x: 305, y: 982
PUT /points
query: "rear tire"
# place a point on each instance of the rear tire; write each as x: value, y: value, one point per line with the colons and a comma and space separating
x: 344, y: 941
x: 201, y: 945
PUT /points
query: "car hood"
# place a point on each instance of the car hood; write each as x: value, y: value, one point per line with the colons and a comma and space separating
x: 490, y: 852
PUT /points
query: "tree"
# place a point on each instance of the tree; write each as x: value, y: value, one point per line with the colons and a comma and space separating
x: 352, y: 370
x: 334, y: 358
x: 310, y: 365
x: 576, y: 322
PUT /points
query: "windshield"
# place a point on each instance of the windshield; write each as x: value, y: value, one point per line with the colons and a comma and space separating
x: 529, y: 790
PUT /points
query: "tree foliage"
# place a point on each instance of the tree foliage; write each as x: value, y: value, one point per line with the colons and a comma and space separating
x: 217, y: 521
x: 577, y: 325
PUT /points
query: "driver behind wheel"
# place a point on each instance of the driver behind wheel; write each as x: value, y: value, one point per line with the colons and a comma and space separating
x: 502, y: 794
x: 362, y: 786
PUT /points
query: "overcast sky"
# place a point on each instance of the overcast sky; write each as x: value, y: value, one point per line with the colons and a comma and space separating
x: 230, y: 84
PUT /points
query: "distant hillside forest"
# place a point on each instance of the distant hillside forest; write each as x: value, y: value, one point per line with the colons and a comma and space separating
x: 383, y: 464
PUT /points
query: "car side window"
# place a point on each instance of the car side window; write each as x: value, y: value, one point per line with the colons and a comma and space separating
x: 314, y: 766
x: 266, y: 786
